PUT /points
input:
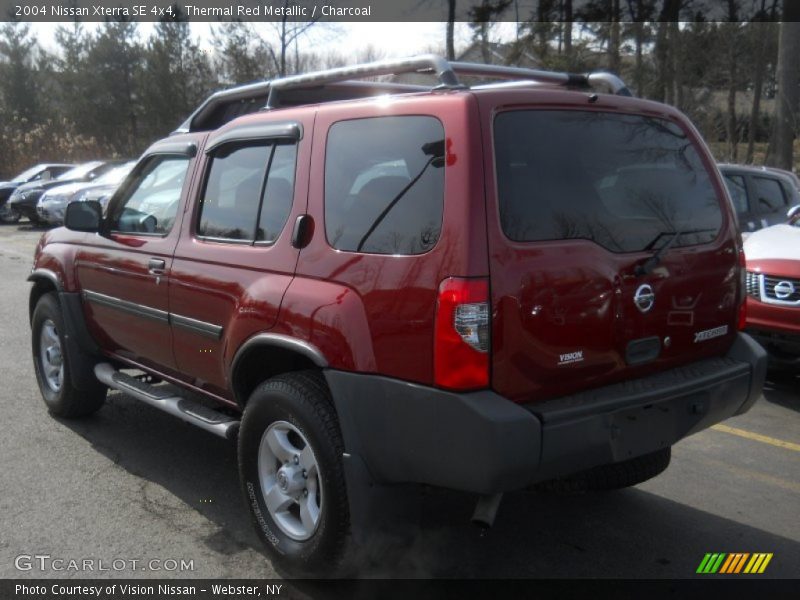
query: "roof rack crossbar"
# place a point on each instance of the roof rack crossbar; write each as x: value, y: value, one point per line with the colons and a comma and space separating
x: 612, y: 82
x: 426, y: 63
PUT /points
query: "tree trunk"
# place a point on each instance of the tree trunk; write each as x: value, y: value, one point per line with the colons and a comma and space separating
x: 676, y: 63
x: 730, y: 127
x: 451, y: 23
x: 567, y: 26
x: 614, y: 38
x: 762, y: 35
x: 670, y: 11
x: 786, y: 102
x: 638, y: 75
x: 486, y: 53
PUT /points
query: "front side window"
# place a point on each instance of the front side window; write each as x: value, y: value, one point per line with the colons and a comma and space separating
x: 248, y: 192
x: 626, y: 182
x: 149, y: 204
x: 384, y: 184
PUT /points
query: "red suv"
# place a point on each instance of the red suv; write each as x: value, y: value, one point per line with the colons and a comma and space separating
x: 481, y: 288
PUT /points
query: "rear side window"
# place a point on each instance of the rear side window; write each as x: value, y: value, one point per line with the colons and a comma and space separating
x: 384, y: 184
x: 738, y: 192
x: 770, y: 194
x: 248, y: 193
x: 626, y: 182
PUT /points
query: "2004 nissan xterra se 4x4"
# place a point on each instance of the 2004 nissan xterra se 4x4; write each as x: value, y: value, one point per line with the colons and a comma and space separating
x: 480, y: 288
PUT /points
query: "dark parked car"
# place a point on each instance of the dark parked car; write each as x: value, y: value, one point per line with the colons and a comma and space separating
x: 480, y: 289
x: 761, y: 195
x: 790, y: 174
x: 41, y: 172
x: 26, y: 196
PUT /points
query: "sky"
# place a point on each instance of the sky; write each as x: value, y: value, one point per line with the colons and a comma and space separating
x: 391, y: 39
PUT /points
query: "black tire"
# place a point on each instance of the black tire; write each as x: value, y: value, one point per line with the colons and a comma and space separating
x: 611, y: 477
x: 302, y: 400
x: 66, y: 400
x: 10, y: 215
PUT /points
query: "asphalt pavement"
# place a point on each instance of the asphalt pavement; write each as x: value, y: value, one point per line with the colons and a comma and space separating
x: 134, y: 484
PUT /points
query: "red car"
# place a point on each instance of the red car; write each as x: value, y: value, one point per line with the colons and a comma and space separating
x: 773, y: 290
x: 371, y: 284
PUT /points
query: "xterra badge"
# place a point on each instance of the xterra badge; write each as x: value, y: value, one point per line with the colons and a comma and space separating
x: 702, y: 336
x: 571, y: 357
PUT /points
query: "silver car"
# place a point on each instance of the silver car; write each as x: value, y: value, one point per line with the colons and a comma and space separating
x: 53, y: 203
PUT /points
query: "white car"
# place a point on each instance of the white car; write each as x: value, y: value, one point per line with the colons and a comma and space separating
x: 773, y: 290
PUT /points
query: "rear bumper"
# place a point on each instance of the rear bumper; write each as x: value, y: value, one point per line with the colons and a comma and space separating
x: 480, y: 442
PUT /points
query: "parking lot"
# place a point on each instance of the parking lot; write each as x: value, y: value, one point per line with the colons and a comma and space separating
x: 134, y: 483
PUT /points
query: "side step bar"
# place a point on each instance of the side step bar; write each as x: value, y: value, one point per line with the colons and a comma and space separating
x: 192, y: 412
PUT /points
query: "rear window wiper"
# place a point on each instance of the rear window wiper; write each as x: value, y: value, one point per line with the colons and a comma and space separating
x: 651, y: 263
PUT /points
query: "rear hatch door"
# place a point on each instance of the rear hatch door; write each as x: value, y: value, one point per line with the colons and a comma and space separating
x: 612, y: 251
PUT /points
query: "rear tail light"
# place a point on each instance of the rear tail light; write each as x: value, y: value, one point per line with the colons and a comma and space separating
x: 742, y: 323
x: 742, y: 320
x: 461, y: 345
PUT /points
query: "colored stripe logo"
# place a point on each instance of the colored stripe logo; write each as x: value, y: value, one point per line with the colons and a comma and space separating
x: 734, y: 563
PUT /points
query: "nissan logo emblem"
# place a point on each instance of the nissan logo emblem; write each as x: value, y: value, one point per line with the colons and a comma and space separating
x: 784, y: 289
x: 644, y: 298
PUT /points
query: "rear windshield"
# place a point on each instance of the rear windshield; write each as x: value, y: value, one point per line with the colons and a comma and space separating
x: 627, y: 182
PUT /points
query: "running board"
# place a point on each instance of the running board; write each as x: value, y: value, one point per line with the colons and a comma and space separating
x: 192, y: 412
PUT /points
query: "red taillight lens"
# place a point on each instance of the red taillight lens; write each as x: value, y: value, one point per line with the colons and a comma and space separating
x: 742, y: 315
x: 461, y: 345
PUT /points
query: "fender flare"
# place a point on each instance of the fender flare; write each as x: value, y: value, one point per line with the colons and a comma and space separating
x: 81, y: 348
x: 47, y: 274
x: 276, y: 340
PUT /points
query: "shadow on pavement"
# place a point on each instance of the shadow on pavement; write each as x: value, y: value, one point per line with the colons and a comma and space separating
x: 628, y: 533
x: 781, y: 389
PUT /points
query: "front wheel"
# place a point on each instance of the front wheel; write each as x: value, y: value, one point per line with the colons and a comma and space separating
x: 52, y: 364
x: 290, y: 465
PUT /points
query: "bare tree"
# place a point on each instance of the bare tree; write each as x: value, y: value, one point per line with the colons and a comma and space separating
x: 288, y: 34
x: 761, y: 31
x: 451, y: 25
x: 786, y: 103
x: 484, y: 17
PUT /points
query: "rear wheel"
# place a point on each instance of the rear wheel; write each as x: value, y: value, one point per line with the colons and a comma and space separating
x: 52, y: 364
x: 611, y: 477
x: 290, y: 464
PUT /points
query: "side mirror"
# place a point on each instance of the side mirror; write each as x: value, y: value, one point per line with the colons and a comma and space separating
x: 84, y: 216
x: 793, y: 213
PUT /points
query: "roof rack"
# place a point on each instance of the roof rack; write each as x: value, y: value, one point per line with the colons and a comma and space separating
x: 446, y: 72
x: 225, y: 105
x: 338, y: 84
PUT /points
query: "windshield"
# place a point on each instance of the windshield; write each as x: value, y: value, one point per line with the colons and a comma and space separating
x: 626, y: 182
x: 27, y: 174
x: 115, y: 175
x: 80, y: 171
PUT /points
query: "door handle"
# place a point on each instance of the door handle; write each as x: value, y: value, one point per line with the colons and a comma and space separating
x: 156, y: 266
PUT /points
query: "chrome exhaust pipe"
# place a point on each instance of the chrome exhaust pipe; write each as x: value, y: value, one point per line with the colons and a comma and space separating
x: 486, y: 510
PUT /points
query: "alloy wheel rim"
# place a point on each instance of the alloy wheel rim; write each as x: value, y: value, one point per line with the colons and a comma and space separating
x: 50, y: 356
x: 290, y: 480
